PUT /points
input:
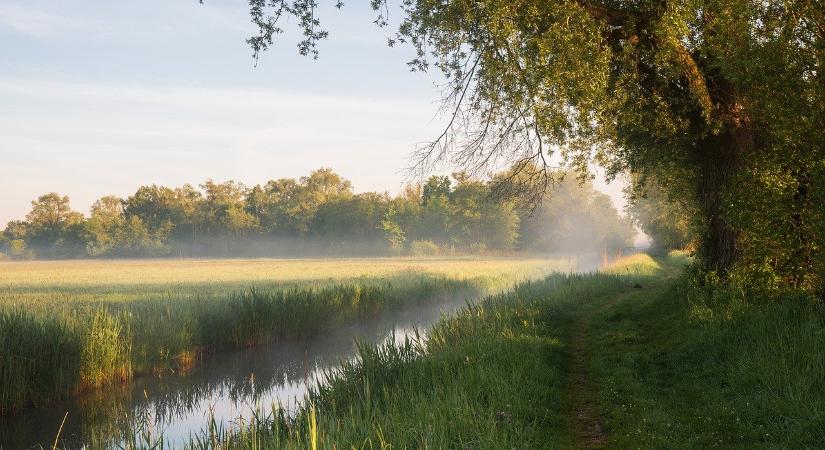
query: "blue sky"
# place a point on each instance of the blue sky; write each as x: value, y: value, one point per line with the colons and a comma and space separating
x: 98, y: 97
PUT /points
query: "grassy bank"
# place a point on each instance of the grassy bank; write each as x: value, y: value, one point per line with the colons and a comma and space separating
x: 492, y: 376
x: 68, y: 326
x: 669, y: 369
x: 682, y: 368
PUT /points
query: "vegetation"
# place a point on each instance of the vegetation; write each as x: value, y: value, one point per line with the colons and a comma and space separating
x: 714, y: 107
x: 315, y: 215
x: 72, y: 326
x: 668, y: 371
x: 683, y: 367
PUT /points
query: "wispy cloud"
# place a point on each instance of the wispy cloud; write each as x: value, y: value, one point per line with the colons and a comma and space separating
x: 72, y: 137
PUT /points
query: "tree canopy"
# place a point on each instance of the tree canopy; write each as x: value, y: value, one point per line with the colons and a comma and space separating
x: 318, y: 214
x: 725, y: 96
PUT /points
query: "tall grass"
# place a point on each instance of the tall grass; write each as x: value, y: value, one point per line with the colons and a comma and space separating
x: 50, y: 355
x: 686, y: 367
x: 71, y: 326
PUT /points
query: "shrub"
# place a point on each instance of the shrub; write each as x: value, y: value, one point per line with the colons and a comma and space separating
x: 18, y: 250
x: 424, y: 248
x: 479, y: 248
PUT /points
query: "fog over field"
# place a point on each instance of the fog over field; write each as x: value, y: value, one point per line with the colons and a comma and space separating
x: 412, y: 224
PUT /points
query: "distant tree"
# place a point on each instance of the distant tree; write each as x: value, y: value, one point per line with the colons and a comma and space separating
x: 433, y: 222
x: 53, y: 229
x: 478, y: 218
x: 105, y: 226
x: 316, y: 213
x: 320, y: 186
x: 136, y: 240
x: 668, y: 220
x: 394, y: 234
x: 157, y: 209
x: 224, y: 211
x: 436, y: 186
x: 13, y: 240
x: 275, y: 205
x: 16, y: 229
x: 574, y: 217
x: 187, y: 205
x: 351, y: 223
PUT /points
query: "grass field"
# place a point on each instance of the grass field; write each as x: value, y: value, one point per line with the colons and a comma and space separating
x: 661, y: 367
x: 73, y: 325
x: 47, y: 282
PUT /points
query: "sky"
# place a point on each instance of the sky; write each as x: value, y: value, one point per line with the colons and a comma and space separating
x: 99, y: 97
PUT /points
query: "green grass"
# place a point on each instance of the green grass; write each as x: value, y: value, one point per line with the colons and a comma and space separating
x: 672, y: 366
x: 681, y: 369
x: 70, y: 326
x: 493, y: 376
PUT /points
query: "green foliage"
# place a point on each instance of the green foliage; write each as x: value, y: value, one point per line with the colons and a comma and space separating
x: 723, y: 96
x: 52, y: 229
x: 315, y: 215
x: 667, y: 219
x: 18, y: 250
x: 394, y: 233
x: 424, y: 248
x: 435, y: 187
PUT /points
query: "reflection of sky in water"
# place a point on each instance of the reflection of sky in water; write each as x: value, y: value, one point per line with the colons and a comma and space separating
x: 230, y: 385
x: 230, y: 411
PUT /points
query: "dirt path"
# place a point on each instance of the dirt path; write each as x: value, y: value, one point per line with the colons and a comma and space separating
x: 585, y: 423
x: 584, y: 420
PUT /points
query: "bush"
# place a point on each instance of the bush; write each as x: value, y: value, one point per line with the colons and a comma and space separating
x: 19, y: 250
x: 479, y: 248
x: 424, y: 248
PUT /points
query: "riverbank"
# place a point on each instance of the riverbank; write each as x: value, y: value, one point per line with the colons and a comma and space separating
x: 626, y: 358
x: 67, y: 327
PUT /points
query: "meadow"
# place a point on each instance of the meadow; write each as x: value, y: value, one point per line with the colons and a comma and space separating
x: 69, y: 326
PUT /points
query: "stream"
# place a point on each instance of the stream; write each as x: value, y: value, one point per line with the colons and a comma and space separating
x: 228, y: 386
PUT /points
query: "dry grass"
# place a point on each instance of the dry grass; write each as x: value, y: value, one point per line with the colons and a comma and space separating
x: 34, y: 282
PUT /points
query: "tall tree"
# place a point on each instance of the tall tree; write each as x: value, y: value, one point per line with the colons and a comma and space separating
x: 105, y: 225
x: 54, y: 229
x: 725, y: 93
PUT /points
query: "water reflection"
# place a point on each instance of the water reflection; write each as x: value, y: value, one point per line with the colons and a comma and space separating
x: 228, y: 385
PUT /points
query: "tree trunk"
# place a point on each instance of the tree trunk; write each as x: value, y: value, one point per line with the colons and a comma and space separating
x: 720, y: 158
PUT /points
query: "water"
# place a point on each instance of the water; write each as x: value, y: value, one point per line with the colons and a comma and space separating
x: 227, y: 385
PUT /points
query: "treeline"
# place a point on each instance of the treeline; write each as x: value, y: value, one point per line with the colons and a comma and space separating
x: 318, y: 215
